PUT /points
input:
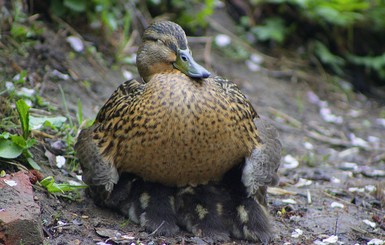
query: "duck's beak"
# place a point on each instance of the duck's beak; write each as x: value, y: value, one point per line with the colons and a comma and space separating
x: 186, y: 64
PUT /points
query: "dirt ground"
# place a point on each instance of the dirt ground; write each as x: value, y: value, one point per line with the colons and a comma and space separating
x: 332, y: 170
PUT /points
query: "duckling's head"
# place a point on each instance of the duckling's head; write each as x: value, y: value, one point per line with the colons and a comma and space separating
x: 165, y: 48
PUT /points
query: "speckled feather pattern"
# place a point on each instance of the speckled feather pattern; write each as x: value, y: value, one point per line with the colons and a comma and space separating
x: 176, y: 130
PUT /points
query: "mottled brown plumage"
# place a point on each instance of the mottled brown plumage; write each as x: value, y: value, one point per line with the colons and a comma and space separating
x: 179, y: 127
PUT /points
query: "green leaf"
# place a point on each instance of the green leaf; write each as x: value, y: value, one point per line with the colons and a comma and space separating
x: 328, y: 58
x: 76, y: 5
x: 274, y: 29
x: 23, y: 110
x: 33, y: 164
x: 39, y: 122
x: 53, y: 187
x: 19, y: 141
x: 9, y: 150
x: 79, y: 114
x: 5, y: 135
x: 57, y: 7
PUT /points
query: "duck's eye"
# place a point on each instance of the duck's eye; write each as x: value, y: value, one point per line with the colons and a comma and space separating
x: 160, y: 41
x: 183, y: 57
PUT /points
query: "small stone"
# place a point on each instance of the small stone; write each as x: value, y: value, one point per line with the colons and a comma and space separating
x: 337, y: 205
x: 348, y: 166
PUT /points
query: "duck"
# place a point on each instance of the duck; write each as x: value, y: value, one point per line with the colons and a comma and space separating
x: 182, y: 146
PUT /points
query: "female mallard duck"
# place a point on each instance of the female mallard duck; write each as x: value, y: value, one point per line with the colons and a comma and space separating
x: 184, y: 131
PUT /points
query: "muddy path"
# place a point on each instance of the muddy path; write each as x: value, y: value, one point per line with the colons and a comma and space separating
x: 332, y: 169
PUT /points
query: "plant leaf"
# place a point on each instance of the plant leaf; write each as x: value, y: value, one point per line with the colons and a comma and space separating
x: 33, y: 164
x: 76, y: 5
x: 53, y: 187
x: 39, y: 122
x: 23, y: 110
x: 9, y: 150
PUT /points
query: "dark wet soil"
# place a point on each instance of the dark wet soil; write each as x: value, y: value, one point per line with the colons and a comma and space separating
x: 331, y: 172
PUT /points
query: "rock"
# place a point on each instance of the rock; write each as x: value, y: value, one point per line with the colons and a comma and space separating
x: 20, y: 221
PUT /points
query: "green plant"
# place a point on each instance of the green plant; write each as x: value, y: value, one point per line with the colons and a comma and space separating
x: 191, y: 15
x: 273, y: 29
x: 343, y: 35
x: 110, y: 14
x: 53, y: 187
x: 12, y: 145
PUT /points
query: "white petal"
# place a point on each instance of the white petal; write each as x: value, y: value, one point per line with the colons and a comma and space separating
x: 10, y: 182
x: 127, y: 74
x: 75, y: 43
x: 222, y: 40
x: 290, y: 162
x: 369, y: 223
x: 60, y: 161
x: 331, y: 239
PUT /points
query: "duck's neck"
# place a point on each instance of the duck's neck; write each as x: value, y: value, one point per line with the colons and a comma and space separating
x: 153, y: 59
x: 148, y: 72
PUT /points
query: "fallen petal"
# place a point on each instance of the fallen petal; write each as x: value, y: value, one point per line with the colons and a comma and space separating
x: 296, y: 233
x: 376, y: 241
x: 10, y: 182
x: 75, y: 43
x: 290, y: 162
x: 60, y: 161
x: 222, y: 40
x: 303, y: 182
x: 330, y: 240
x: 369, y: 223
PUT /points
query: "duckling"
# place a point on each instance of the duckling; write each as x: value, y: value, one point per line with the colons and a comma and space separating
x: 178, y: 129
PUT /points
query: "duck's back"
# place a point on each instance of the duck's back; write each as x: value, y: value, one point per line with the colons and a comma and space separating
x: 177, y: 130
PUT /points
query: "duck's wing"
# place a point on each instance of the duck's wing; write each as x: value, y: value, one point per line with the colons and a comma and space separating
x: 98, y: 170
x: 120, y: 101
x: 260, y: 168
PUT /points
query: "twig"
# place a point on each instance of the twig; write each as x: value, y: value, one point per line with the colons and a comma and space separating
x: 329, y: 140
x: 40, y: 133
x: 156, y: 230
x: 336, y: 227
x: 207, y: 51
x: 40, y: 112
x: 309, y: 201
x: 340, y: 200
x: 379, y: 157
x: 294, y: 122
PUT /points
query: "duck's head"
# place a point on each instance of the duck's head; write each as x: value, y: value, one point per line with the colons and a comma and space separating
x: 165, y: 48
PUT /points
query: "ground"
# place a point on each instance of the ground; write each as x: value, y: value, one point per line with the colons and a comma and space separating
x: 332, y: 170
